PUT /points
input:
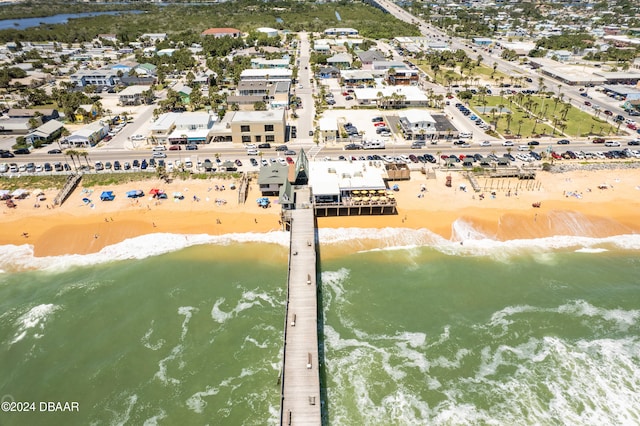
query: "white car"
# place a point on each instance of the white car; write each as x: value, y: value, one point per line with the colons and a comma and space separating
x: 612, y: 143
x: 507, y: 143
x: 485, y: 143
x: 158, y: 154
x: 137, y: 137
x: 159, y: 148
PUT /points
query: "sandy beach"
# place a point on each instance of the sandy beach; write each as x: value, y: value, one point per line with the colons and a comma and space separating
x: 589, y: 203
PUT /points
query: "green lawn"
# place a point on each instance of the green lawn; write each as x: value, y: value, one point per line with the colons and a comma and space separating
x: 578, y: 123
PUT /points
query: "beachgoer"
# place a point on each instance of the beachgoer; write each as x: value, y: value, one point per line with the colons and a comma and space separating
x: 96, y: 236
x: 25, y: 234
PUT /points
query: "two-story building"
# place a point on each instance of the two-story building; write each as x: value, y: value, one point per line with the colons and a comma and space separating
x: 258, y: 126
x: 191, y: 128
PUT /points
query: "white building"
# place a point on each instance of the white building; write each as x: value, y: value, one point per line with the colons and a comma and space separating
x: 330, y: 181
x: 271, y: 74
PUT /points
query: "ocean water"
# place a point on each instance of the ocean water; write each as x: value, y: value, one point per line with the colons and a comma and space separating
x: 174, y: 329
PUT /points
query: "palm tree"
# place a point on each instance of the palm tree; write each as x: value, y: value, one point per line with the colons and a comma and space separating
x: 509, y: 118
x: 519, y: 127
x: 71, y: 153
x: 85, y: 155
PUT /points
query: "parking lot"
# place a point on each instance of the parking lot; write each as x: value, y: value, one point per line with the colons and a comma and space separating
x: 361, y: 119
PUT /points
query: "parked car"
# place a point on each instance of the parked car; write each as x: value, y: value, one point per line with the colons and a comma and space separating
x: 192, y: 147
x: 352, y: 146
x: 264, y: 146
x: 281, y: 148
x: 175, y: 148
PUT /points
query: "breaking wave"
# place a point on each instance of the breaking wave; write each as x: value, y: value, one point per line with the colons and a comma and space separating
x: 466, y: 240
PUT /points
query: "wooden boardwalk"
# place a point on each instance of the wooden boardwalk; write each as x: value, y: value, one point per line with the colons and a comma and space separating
x: 300, y: 404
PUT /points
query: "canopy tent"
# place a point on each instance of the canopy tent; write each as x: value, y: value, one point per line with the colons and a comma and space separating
x: 107, y: 196
x: 135, y: 193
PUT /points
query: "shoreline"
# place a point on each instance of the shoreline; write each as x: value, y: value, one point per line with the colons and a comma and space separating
x: 571, y: 204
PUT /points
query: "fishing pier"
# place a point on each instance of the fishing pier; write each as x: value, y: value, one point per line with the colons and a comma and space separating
x: 300, y: 380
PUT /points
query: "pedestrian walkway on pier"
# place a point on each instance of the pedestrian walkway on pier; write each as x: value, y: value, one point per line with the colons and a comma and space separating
x: 300, y: 403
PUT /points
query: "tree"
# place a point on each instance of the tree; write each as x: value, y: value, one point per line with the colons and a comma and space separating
x: 260, y: 106
x: 71, y: 154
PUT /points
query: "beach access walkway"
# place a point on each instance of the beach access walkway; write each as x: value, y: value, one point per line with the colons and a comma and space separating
x: 300, y: 397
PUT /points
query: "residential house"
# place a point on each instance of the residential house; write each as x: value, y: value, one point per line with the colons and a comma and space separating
x: 146, y: 69
x: 101, y: 77
x: 45, y: 134
x: 340, y: 60
x: 269, y: 63
x: 328, y: 72
x: 165, y: 52
x: 272, y: 177
x: 273, y: 74
x: 154, y: 37
x: 368, y: 57
x: 87, y: 136
x: 15, y: 126
x: 274, y: 94
x: 132, y: 95
x: 185, y: 94
x: 45, y: 114
x: 403, y: 76
x: 86, y: 112
x: 357, y: 77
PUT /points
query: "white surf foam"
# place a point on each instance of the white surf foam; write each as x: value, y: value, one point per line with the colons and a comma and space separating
x: 146, y: 340
x: 475, y: 243
x: 124, y: 417
x: 155, y: 420
x: 33, y: 320
x: 248, y: 300
x: 176, y: 351
x: 14, y: 257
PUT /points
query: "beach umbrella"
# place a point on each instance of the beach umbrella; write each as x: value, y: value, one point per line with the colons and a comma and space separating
x: 154, y: 191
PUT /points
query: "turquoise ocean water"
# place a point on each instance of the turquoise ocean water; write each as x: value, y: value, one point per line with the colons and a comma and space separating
x: 172, y: 329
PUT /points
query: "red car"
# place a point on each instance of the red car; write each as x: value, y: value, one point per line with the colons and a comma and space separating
x: 380, y: 124
x: 556, y: 156
x: 587, y: 103
x: 598, y: 140
x: 289, y: 160
x: 175, y: 148
x: 632, y: 126
x: 345, y: 93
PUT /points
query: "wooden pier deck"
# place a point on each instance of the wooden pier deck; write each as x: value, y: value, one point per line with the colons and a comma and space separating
x: 300, y: 397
